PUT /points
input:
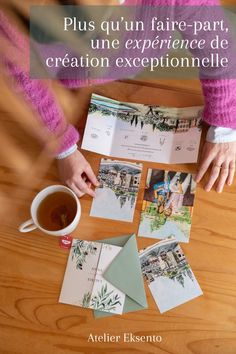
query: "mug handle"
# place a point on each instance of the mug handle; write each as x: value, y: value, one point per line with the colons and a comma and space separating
x: 27, y: 226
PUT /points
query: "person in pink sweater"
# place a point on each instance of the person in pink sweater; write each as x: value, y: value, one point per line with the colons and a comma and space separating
x: 219, y: 150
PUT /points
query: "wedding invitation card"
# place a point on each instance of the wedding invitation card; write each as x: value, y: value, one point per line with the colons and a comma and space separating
x: 84, y: 284
x: 169, y: 275
x: 117, y: 193
x: 142, y: 132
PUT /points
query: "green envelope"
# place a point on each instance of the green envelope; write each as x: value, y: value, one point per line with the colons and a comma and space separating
x: 126, y: 275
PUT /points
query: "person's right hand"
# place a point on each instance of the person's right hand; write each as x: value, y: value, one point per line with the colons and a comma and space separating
x: 76, y: 173
x: 220, y: 159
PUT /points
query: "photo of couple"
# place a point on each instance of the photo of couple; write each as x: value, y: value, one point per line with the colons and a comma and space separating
x: 167, y: 205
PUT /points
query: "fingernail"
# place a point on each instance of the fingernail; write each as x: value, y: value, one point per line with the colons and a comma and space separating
x: 207, y: 189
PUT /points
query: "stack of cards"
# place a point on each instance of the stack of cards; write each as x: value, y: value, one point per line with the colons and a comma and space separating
x: 169, y: 276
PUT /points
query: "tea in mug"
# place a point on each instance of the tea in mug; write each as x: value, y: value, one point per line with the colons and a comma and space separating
x: 57, y: 211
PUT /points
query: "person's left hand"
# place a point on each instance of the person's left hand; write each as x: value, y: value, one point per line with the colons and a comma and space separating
x: 221, y: 157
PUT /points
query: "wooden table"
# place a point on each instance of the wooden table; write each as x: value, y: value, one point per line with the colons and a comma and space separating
x: 32, y: 265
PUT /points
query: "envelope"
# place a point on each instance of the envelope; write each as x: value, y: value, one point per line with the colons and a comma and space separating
x: 125, y: 274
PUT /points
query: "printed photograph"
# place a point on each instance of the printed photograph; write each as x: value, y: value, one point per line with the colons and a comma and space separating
x: 169, y: 275
x: 167, y: 206
x: 117, y: 193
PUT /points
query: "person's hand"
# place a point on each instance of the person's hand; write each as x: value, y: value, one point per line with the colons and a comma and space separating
x: 221, y: 157
x: 76, y: 173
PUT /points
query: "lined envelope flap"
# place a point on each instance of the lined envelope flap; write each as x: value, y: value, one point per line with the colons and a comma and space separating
x: 125, y: 272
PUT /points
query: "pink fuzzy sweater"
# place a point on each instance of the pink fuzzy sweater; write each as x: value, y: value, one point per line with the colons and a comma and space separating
x: 220, y: 95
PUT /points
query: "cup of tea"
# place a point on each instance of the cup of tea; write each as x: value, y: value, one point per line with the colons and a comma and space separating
x: 55, y: 211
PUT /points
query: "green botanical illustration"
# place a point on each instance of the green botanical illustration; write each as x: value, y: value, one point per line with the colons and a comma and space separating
x: 80, y: 251
x: 169, y: 262
x: 157, y: 222
x: 104, y: 300
x: 180, y: 273
x: 153, y: 117
x: 86, y: 299
x: 184, y: 217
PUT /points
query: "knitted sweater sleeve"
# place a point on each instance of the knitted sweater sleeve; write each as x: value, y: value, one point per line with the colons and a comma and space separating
x: 220, y: 102
x: 42, y: 100
x: 36, y: 93
x: 219, y: 94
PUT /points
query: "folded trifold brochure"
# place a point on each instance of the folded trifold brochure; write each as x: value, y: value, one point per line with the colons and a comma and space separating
x: 143, y: 132
x: 98, y: 276
x: 117, y: 193
x: 167, y: 206
x: 169, y: 276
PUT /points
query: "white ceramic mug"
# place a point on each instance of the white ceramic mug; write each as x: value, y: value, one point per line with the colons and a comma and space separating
x: 33, y: 224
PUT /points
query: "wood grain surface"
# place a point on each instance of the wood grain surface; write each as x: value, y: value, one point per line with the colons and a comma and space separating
x: 32, y: 265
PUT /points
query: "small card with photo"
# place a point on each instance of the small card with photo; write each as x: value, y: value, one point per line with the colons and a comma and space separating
x: 169, y: 275
x: 117, y: 193
x: 84, y: 284
x: 167, y: 206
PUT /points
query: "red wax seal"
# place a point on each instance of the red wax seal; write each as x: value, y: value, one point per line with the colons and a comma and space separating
x: 65, y: 242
